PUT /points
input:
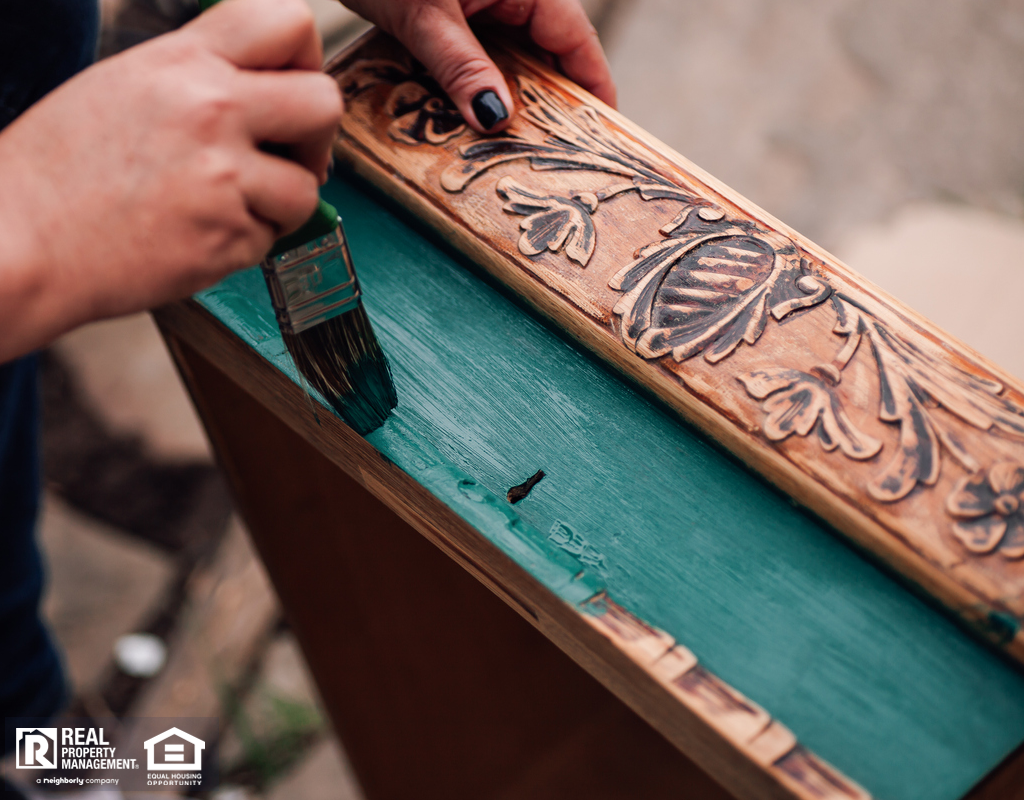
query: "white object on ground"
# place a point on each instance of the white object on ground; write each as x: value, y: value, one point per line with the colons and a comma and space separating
x: 140, y: 655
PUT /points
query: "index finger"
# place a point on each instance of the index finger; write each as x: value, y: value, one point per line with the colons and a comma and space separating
x: 261, y: 34
x: 562, y: 28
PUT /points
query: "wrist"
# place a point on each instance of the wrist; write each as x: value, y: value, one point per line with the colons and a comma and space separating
x: 30, y: 310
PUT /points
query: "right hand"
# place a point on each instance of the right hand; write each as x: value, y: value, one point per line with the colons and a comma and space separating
x: 140, y: 180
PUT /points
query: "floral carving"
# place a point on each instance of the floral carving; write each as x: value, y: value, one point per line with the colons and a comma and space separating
x: 552, y: 223
x: 713, y: 284
x: 710, y: 289
x: 573, y: 138
x: 912, y: 384
x: 989, y: 509
x: 420, y: 110
x: 423, y: 113
x: 716, y: 279
x: 799, y: 403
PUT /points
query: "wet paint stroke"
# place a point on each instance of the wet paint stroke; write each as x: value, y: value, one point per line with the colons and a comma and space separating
x: 868, y: 677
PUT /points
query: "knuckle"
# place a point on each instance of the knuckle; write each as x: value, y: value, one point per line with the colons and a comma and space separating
x: 513, y: 12
x: 418, y: 18
x: 460, y: 72
x: 329, y: 97
x: 218, y: 169
x: 307, y: 195
x: 213, y: 112
x: 298, y: 16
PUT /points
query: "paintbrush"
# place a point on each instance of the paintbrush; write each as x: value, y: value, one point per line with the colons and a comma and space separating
x: 319, y: 309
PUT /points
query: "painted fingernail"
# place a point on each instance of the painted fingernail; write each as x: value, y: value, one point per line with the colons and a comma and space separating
x: 489, y: 109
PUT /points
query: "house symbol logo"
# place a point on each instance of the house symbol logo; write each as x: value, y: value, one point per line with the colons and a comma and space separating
x: 174, y: 750
x: 37, y: 748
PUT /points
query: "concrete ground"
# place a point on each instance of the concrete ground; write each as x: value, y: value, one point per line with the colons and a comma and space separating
x: 889, y: 132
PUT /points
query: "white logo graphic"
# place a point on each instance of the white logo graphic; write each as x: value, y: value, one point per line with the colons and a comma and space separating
x: 37, y: 748
x: 168, y: 751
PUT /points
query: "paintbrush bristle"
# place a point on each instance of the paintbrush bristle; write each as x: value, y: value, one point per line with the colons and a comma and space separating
x: 342, y: 359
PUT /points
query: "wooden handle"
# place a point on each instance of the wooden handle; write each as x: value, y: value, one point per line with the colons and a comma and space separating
x: 907, y: 441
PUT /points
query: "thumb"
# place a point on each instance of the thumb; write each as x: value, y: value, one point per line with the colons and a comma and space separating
x: 439, y: 36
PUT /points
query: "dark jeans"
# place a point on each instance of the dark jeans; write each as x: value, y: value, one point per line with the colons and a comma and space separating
x: 42, y: 43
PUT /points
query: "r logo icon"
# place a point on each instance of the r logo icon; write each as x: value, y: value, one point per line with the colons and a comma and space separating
x: 37, y: 748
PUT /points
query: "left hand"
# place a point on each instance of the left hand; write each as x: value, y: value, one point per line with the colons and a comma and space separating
x: 437, y: 33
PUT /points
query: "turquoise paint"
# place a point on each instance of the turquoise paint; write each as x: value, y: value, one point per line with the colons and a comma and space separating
x: 874, y: 680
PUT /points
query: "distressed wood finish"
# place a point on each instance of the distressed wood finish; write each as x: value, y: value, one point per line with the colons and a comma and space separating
x: 418, y: 664
x: 909, y: 443
x: 282, y: 485
x: 634, y: 507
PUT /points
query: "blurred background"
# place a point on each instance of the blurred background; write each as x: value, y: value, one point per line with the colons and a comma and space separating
x: 890, y: 133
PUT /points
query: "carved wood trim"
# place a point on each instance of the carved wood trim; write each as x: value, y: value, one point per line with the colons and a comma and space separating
x: 904, y: 439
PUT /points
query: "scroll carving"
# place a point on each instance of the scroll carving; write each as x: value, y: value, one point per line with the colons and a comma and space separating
x: 708, y: 278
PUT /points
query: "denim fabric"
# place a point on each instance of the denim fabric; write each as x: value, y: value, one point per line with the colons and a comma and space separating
x: 42, y: 43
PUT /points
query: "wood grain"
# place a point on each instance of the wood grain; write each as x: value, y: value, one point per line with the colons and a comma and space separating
x: 639, y: 505
x: 905, y: 440
x: 417, y: 663
x: 292, y: 491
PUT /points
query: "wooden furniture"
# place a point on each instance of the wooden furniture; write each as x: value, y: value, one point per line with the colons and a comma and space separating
x: 671, y: 625
x: 438, y: 690
x: 904, y: 439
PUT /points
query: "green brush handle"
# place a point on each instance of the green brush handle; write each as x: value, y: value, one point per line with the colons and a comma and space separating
x: 324, y: 219
x: 323, y: 222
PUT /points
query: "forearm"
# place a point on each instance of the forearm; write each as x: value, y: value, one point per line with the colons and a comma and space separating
x: 33, y: 310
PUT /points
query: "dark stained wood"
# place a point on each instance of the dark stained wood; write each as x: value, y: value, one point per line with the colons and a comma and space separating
x: 1006, y: 782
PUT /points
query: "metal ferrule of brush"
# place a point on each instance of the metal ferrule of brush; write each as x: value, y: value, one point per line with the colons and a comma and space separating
x: 313, y: 282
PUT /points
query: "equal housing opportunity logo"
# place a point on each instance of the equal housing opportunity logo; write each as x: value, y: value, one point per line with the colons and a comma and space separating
x: 131, y: 754
x: 174, y: 749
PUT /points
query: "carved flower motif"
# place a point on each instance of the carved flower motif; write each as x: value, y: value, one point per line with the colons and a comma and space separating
x: 800, y: 403
x: 552, y: 222
x: 423, y: 113
x: 421, y: 110
x: 990, y: 508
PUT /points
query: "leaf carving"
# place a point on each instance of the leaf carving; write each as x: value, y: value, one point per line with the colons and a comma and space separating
x: 712, y: 283
x: 912, y: 383
x: 572, y: 138
x: 367, y: 73
x: 551, y: 222
x: 710, y: 289
x: 799, y: 403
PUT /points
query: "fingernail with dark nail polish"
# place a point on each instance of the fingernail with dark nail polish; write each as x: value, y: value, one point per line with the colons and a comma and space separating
x: 489, y: 109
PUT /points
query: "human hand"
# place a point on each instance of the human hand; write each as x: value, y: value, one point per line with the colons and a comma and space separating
x: 436, y: 32
x: 140, y: 180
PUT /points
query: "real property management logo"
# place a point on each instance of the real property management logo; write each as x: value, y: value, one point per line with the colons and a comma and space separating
x: 131, y: 754
x: 67, y: 748
x: 36, y: 748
